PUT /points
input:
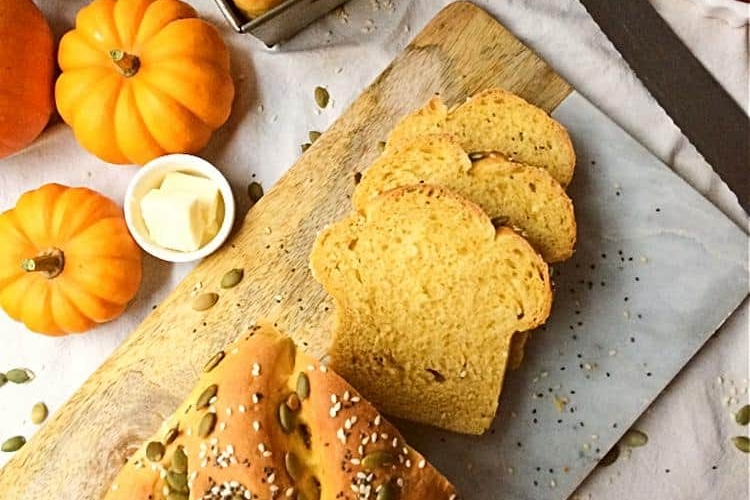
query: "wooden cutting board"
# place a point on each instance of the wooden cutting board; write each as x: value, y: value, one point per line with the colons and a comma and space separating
x: 78, y: 452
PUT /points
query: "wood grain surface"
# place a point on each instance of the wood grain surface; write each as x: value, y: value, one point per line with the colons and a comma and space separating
x: 78, y: 452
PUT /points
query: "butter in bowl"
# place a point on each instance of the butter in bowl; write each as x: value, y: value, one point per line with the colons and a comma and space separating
x: 179, y: 208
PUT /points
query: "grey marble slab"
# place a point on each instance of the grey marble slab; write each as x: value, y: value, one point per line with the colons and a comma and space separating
x: 657, y: 270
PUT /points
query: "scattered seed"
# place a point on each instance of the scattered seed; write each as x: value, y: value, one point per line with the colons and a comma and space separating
x: 214, y: 361
x: 206, y: 396
x: 232, y: 278
x: 207, y: 424
x: 171, y: 435
x: 305, y: 146
x: 387, y: 492
x: 19, y: 375
x: 313, y: 135
x: 293, y: 466
x: 3, y: 379
x: 155, y: 451
x: 179, y: 461
x: 610, y: 457
x: 378, y: 459
x: 742, y: 417
x: 177, y: 481
x: 13, y: 444
x: 286, y: 418
x: 293, y: 401
x: 321, y: 97
x: 742, y: 443
x: 634, y: 438
x: 303, y: 385
x: 205, y: 301
x: 39, y: 413
x: 255, y: 192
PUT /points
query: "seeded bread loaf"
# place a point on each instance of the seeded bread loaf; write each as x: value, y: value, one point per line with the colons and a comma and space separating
x: 428, y: 295
x: 525, y: 198
x: 496, y: 121
x: 266, y: 421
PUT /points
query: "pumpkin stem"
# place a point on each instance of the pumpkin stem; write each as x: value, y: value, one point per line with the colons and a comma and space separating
x: 50, y: 263
x: 128, y: 64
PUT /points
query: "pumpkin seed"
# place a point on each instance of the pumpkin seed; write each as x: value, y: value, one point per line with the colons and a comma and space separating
x: 303, y: 385
x: 19, y: 375
x: 13, y: 444
x: 179, y: 461
x: 155, y: 451
x: 171, y: 435
x: 205, y: 398
x: 255, y: 191
x: 321, y: 97
x: 314, y: 135
x: 177, y: 481
x: 742, y: 417
x: 232, y: 278
x: 742, y: 443
x: 39, y: 413
x: 378, y: 459
x: 293, y: 466
x: 293, y: 401
x: 207, y: 424
x: 3, y: 379
x: 305, y: 146
x: 205, y: 301
x: 286, y: 418
x: 177, y: 495
x: 214, y: 361
x: 634, y: 438
x: 610, y: 457
x: 387, y: 492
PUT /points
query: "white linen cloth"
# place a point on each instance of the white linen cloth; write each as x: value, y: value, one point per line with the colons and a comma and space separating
x: 688, y: 456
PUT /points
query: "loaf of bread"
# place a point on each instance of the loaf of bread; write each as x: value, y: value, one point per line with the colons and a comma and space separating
x: 520, y: 196
x: 428, y: 294
x: 496, y: 121
x: 266, y: 421
x: 255, y: 8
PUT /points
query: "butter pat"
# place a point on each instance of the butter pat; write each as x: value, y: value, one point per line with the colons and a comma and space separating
x: 204, y: 189
x: 175, y: 220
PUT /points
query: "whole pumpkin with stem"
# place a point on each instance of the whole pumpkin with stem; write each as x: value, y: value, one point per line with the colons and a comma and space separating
x: 67, y: 260
x: 27, y: 65
x: 142, y: 78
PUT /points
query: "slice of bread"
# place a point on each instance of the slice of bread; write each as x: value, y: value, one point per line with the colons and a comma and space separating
x: 428, y: 295
x: 511, y: 194
x: 496, y: 121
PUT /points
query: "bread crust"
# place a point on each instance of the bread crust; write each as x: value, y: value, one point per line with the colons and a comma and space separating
x: 246, y: 452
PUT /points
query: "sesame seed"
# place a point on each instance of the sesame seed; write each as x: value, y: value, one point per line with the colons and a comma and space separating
x: 229, y: 411
x: 353, y: 419
x: 377, y: 420
x: 407, y: 463
x: 256, y: 426
x: 395, y: 442
x: 274, y: 488
x: 115, y: 487
x: 241, y: 408
x: 271, y: 478
x: 222, y: 426
x: 346, y: 396
x: 255, y: 399
x: 422, y: 463
x: 289, y: 492
x: 261, y: 447
x: 334, y: 398
x: 341, y: 435
x: 355, y: 461
x: 266, y: 454
x: 256, y: 370
x: 323, y: 368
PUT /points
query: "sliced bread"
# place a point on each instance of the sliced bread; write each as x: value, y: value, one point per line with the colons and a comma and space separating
x: 512, y: 194
x: 428, y: 295
x: 496, y: 121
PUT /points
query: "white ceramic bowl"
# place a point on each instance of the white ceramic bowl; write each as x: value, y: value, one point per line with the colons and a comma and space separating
x: 150, y: 177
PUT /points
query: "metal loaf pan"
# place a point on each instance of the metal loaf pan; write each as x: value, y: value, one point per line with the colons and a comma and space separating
x: 280, y: 23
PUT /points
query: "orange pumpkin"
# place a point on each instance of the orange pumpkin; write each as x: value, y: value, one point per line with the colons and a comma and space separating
x: 27, y: 64
x: 142, y: 78
x: 67, y: 260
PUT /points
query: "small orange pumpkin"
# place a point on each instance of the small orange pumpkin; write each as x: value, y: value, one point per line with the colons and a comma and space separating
x: 27, y: 64
x: 67, y: 260
x: 143, y: 78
